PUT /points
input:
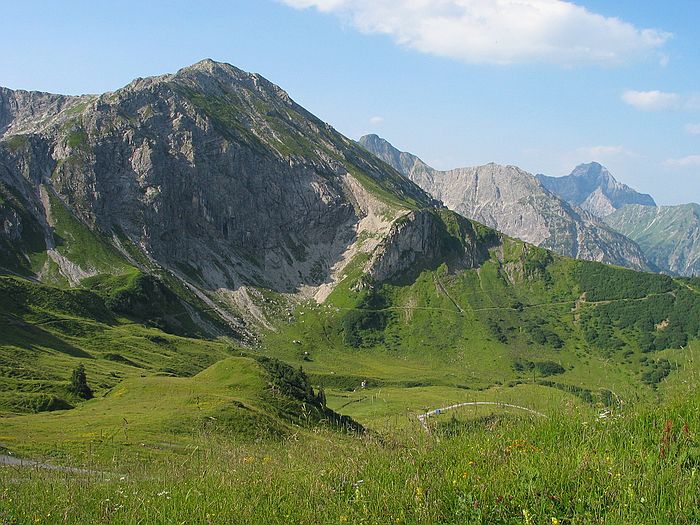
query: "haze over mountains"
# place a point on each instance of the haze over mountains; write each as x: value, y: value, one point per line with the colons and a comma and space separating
x: 669, y: 235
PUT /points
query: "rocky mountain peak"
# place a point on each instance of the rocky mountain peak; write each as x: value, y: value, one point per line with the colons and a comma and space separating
x: 401, y: 161
x: 212, y: 173
x: 593, y: 188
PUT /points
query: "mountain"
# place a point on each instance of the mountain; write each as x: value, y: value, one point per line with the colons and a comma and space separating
x: 182, y: 202
x: 512, y: 201
x: 669, y: 235
x: 592, y: 188
x: 212, y: 175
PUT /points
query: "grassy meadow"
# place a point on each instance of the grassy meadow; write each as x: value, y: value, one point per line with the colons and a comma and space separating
x: 494, y: 467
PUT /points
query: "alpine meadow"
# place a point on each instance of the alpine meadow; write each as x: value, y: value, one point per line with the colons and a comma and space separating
x: 216, y: 308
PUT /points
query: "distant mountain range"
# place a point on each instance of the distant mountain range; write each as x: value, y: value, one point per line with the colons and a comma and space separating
x: 587, y: 214
x: 515, y: 202
x: 668, y: 235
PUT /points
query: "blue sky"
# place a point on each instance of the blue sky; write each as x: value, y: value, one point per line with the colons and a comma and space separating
x: 458, y: 82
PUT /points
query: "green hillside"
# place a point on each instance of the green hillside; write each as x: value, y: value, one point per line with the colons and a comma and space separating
x: 669, y: 235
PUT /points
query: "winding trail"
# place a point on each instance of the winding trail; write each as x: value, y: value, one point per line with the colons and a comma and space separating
x: 423, y: 417
x: 574, y: 303
x: 441, y: 288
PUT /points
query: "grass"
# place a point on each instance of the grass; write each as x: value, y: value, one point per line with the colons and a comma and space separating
x: 203, y: 433
x: 229, y: 398
x: 47, y: 331
x: 188, y: 430
x: 638, y: 467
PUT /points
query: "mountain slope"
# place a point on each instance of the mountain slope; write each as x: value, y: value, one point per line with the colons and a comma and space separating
x: 669, y: 235
x: 512, y: 201
x: 211, y: 174
x: 592, y: 188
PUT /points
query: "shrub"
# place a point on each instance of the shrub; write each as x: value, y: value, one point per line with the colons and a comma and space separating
x: 78, y: 383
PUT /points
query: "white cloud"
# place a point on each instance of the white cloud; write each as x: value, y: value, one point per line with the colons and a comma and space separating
x: 376, y: 120
x: 600, y: 152
x: 693, y: 129
x: 651, y: 100
x: 685, y: 162
x: 498, y: 31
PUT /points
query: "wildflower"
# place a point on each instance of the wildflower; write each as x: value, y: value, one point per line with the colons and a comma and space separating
x: 343, y: 519
x: 527, y: 516
x: 555, y: 521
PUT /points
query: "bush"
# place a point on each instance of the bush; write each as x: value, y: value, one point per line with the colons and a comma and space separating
x: 78, y: 384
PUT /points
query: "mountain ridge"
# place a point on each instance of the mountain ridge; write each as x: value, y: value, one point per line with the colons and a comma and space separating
x: 670, y: 235
x: 212, y: 176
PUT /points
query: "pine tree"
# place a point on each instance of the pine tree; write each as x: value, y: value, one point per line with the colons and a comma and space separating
x: 321, y: 396
x: 79, y: 385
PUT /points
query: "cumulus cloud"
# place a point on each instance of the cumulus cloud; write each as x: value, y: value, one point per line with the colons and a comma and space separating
x: 652, y: 100
x: 693, y: 129
x: 498, y: 31
x: 376, y: 120
x: 685, y: 162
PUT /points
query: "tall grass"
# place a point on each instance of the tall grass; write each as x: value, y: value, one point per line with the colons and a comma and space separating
x: 628, y: 468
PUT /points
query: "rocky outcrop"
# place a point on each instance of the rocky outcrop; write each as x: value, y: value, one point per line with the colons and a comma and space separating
x: 514, y: 202
x: 421, y: 239
x: 592, y: 188
x: 30, y: 111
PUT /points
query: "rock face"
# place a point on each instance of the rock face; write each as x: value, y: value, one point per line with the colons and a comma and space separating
x: 514, y: 202
x: 211, y: 173
x: 421, y: 239
x: 669, y: 235
x: 592, y: 188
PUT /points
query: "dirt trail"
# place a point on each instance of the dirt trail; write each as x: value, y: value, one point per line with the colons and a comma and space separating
x: 423, y: 417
